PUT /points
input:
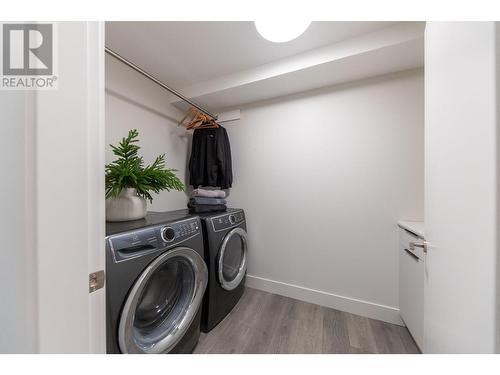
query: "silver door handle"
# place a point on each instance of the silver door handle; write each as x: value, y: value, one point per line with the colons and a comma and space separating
x: 422, y: 244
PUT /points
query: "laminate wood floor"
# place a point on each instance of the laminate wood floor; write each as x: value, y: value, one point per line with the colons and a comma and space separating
x: 268, y: 323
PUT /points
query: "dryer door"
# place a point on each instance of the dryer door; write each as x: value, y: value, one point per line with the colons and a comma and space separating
x: 163, y: 302
x: 232, y: 262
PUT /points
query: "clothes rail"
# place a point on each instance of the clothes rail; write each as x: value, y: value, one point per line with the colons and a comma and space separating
x: 157, y: 81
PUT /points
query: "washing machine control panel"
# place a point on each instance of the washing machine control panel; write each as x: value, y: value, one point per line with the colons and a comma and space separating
x: 130, y: 245
x: 180, y: 231
x: 228, y: 220
x: 144, y: 241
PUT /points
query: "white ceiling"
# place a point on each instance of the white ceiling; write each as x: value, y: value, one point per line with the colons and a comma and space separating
x: 223, y: 65
x: 184, y: 53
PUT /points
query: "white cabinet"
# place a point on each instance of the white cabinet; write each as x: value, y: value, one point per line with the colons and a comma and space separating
x: 411, y: 282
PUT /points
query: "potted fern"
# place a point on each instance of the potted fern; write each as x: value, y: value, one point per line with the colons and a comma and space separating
x: 129, y: 183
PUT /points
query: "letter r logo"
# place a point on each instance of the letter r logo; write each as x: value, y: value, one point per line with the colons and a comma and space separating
x: 27, y: 49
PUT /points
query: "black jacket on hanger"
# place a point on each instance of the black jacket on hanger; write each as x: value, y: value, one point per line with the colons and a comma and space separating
x: 210, y: 163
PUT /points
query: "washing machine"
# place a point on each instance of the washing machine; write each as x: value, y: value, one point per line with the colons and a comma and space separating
x: 226, y: 247
x: 155, y: 281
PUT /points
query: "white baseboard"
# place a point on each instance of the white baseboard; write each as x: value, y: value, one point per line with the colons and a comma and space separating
x: 347, y: 304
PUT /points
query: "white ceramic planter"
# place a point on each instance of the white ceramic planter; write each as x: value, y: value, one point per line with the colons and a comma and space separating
x: 127, y: 206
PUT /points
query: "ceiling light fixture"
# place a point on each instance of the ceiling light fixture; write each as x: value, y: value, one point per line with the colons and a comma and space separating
x: 282, y: 31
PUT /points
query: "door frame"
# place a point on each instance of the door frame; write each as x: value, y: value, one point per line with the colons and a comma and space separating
x: 70, y: 188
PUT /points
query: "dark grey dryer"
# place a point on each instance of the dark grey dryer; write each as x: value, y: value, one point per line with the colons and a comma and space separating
x: 226, y: 257
x: 156, y: 277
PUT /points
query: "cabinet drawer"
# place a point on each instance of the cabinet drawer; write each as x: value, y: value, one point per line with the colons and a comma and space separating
x: 411, y: 285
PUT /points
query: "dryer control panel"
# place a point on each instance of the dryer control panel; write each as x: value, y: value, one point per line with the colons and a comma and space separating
x: 144, y: 241
x: 180, y: 230
x: 228, y: 220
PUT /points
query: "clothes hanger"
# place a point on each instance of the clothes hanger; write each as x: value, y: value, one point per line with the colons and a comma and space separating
x: 198, y: 120
x: 194, y: 124
x: 201, y: 121
x: 209, y: 124
x: 190, y: 112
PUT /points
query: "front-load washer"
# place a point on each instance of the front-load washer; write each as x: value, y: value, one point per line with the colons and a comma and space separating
x: 155, y: 281
x: 226, y: 257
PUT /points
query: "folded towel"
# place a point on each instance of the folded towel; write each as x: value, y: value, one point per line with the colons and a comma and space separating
x: 206, y: 200
x: 201, y: 208
x: 209, y: 193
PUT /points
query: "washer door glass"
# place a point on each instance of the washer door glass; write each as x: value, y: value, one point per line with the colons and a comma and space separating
x: 163, y: 302
x: 232, y: 263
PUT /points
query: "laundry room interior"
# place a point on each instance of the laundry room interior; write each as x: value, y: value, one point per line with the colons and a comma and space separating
x: 324, y: 187
x: 327, y: 144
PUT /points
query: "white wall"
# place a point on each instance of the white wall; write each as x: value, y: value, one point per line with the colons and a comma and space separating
x: 134, y: 102
x: 323, y: 177
x: 18, y: 318
x: 497, y: 312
